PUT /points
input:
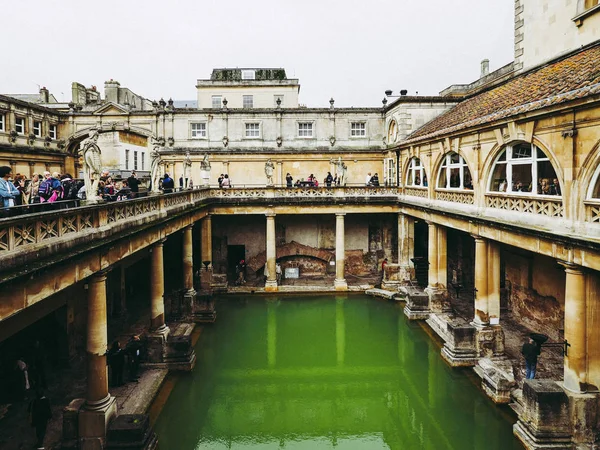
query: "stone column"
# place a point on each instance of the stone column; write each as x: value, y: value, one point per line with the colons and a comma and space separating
x: 271, y: 283
x: 206, y: 254
x: 157, y: 288
x: 482, y: 313
x: 432, y: 253
x: 99, y: 406
x: 97, y: 343
x: 442, y: 257
x: 494, y: 282
x: 188, y: 270
x: 575, y: 368
x: 436, y: 288
x: 340, y: 253
x: 406, y: 247
x: 206, y: 251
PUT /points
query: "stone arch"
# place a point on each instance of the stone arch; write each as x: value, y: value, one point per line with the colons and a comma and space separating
x: 489, y: 162
x: 407, y: 165
x: 589, y: 175
x: 290, y: 249
x: 436, y: 167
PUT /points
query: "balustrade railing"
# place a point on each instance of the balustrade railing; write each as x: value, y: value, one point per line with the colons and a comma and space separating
x: 592, y: 211
x: 465, y: 197
x: 416, y: 192
x: 542, y: 206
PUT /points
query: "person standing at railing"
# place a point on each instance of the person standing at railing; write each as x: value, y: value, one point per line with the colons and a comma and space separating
x: 133, y: 184
x: 33, y: 188
x: 328, y: 179
x: 168, y: 184
x: 8, y: 191
x: 19, y: 183
x: 226, y: 181
x: 289, y: 180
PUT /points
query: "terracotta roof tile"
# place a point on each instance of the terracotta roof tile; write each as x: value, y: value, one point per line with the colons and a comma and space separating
x: 574, y: 77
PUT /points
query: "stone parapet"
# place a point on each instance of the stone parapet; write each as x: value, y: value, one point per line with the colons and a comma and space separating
x: 417, y: 303
x: 497, y: 379
x: 544, y: 422
x: 459, y: 347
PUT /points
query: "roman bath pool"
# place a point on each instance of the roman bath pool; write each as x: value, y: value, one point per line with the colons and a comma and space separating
x: 324, y: 372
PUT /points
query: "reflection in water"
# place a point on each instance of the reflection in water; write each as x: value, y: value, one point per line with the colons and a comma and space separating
x: 322, y: 373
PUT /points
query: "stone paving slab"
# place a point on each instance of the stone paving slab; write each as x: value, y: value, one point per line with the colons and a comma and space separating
x: 136, y: 398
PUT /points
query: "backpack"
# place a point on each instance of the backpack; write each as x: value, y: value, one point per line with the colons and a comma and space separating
x: 70, y: 189
x: 45, y: 189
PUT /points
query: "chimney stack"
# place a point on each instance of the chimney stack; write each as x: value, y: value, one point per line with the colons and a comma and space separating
x: 485, y: 67
x: 44, y: 95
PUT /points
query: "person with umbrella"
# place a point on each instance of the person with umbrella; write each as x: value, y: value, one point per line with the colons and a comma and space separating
x: 531, y: 350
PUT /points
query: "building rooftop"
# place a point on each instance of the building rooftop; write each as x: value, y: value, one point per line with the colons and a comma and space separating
x: 569, y: 78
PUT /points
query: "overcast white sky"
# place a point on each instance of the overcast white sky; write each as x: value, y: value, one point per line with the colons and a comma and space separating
x: 346, y: 49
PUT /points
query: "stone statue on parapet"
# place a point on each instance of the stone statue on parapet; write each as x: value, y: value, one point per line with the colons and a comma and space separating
x: 205, y: 170
x: 269, y: 168
x: 187, y: 166
x: 340, y: 171
x: 155, y: 162
x: 92, y: 164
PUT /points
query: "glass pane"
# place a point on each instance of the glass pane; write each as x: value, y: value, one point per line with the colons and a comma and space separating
x: 442, y: 179
x: 540, y: 154
x: 521, y: 151
x: 455, y: 178
x: 502, y: 156
x: 499, y: 182
x: 596, y: 193
x: 468, y: 181
x: 425, y: 183
x: 454, y: 158
x: 417, y: 178
x: 521, y: 178
x: 548, y: 182
x: 416, y: 162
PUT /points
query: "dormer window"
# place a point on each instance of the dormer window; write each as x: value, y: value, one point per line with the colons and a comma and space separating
x: 248, y: 75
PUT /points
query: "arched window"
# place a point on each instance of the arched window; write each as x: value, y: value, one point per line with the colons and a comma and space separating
x: 454, y: 173
x: 416, y: 175
x: 524, y: 168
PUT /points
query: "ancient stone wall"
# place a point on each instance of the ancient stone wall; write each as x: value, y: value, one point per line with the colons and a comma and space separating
x: 535, y: 286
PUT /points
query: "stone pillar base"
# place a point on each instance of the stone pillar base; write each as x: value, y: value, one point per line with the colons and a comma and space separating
x: 438, y: 300
x: 206, y: 279
x: 156, y: 343
x: 340, y: 284
x: 131, y: 431
x: 459, y: 349
x: 271, y: 286
x: 93, y: 423
x: 497, y: 379
x: 188, y: 303
x: 417, y: 303
x: 544, y: 422
x: 172, y: 348
x: 489, y: 340
x: 204, y: 308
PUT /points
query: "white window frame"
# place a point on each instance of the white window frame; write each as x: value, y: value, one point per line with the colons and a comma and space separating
x: 198, y: 130
x: 248, y: 104
x: 444, y: 175
x: 135, y: 160
x: 511, y: 161
x: 52, y: 131
x: 305, y: 130
x: 249, y: 74
x: 415, y: 167
x: 389, y: 171
x: 126, y: 159
x: 20, y: 125
x: 214, y: 98
x: 37, y: 128
x: 358, y: 131
x: 255, y: 128
x: 2, y: 122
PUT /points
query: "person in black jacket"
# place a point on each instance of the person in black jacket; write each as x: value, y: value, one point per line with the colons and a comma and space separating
x: 116, y: 363
x: 39, y: 415
x: 134, y: 353
x: 530, y: 351
x: 168, y: 184
x: 133, y: 184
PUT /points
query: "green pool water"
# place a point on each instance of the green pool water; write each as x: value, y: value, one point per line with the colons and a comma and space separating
x: 324, y: 372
